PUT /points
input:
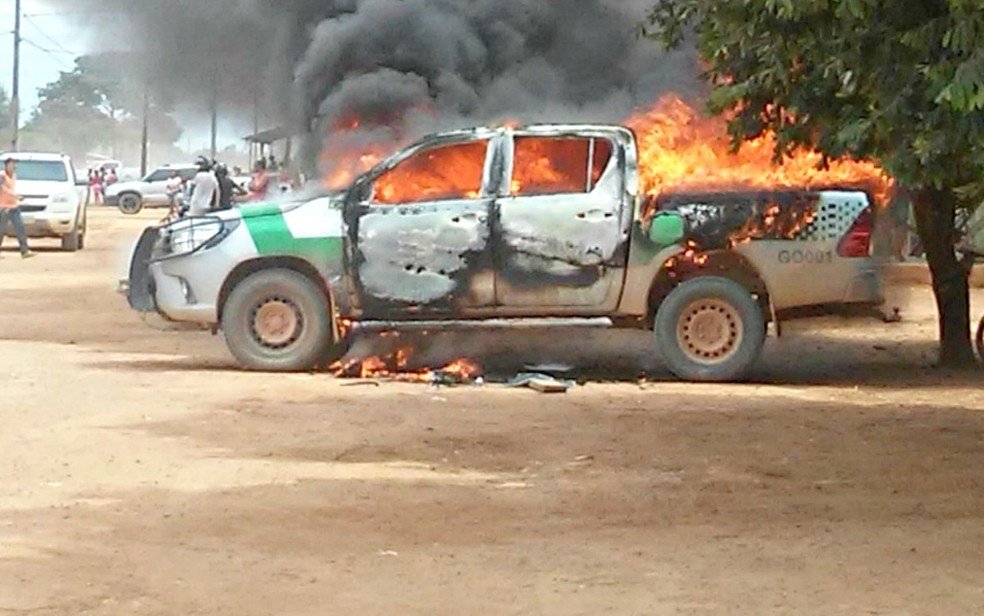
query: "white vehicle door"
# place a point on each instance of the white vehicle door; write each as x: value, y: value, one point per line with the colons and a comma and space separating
x: 561, y: 234
x: 423, y: 230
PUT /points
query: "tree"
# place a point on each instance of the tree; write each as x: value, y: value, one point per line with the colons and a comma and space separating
x: 93, y: 107
x: 899, y: 82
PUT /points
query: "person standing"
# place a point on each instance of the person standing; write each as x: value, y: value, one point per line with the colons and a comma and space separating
x: 228, y: 188
x: 173, y: 188
x: 96, y: 183
x: 10, y: 207
x: 259, y: 185
x: 205, y: 194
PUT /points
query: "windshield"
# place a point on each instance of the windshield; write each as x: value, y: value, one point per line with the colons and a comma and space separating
x: 41, y: 171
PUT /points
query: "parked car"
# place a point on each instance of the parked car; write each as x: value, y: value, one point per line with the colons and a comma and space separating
x: 151, y: 191
x: 53, y: 199
x: 539, y: 222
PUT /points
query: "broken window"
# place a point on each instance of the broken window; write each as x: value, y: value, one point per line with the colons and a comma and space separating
x: 437, y: 174
x: 551, y: 166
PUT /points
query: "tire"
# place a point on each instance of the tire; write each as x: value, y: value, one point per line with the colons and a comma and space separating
x: 72, y: 242
x: 278, y: 320
x: 131, y: 203
x: 980, y: 340
x: 83, y: 228
x: 710, y: 330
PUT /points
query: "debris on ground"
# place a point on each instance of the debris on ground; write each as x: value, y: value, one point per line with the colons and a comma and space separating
x: 895, y: 317
x: 543, y: 383
x: 549, y: 369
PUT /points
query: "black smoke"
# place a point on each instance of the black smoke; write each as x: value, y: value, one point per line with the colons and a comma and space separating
x: 416, y: 64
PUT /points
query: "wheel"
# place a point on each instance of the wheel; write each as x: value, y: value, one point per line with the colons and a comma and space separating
x: 130, y: 203
x: 278, y: 320
x: 72, y: 242
x: 980, y: 340
x: 710, y: 329
x: 84, y: 228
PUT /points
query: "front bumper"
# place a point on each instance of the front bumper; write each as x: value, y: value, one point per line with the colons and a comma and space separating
x: 184, y: 289
x: 46, y: 224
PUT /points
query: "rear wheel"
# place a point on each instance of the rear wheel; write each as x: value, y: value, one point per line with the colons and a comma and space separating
x: 130, y: 203
x: 278, y: 320
x: 980, y: 339
x: 710, y: 329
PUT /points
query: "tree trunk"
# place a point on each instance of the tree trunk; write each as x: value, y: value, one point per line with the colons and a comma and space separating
x: 935, y: 217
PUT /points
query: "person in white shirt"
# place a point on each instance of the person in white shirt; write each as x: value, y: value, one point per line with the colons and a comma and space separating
x: 173, y: 188
x: 205, y: 195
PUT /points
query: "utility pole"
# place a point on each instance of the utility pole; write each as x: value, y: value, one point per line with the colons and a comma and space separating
x: 144, y: 138
x: 15, y: 94
x: 256, y: 127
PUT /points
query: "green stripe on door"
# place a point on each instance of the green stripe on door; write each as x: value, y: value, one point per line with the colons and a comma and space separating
x: 272, y: 237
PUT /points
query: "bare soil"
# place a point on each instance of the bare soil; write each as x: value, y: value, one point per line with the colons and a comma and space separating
x: 142, y: 473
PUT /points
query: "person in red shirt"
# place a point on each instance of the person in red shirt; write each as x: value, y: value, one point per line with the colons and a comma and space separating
x: 10, y: 207
x: 259, y: 185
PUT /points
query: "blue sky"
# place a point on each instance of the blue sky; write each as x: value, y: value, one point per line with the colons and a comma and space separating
x: 52, y: 41
x: 43, y: 28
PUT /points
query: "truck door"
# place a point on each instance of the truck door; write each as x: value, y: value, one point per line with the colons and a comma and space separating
x: 562, y: 229
x: 421, y: 235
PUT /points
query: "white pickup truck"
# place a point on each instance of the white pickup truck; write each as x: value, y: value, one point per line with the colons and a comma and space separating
x: 466, y: 226
x: 53, y: 198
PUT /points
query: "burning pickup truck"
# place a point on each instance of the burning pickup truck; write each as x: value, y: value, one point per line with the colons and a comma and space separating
x: 511, y: 223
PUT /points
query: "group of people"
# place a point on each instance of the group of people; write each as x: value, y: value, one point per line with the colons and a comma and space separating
x: 99, y: 180
x: 211, y: 190
x: 214, y: 189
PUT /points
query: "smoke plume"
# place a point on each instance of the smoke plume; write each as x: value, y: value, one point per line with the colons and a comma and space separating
x: 415, y: 64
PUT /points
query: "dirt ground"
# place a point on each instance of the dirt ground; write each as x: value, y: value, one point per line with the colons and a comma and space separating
x: 142, y: 473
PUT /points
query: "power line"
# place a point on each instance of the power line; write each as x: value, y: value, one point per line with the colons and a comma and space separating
x: 50, y: 38
x: 63, y: 13
x: 51, y: 52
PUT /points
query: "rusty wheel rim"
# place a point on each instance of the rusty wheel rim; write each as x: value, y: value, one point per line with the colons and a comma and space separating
x: 710, y: 331
x: 276, y: 323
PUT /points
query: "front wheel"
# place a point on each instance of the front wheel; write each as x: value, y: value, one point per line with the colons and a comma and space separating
x: 130, y: 204
x: 75, y: 239
x: 278, y: 320
x: 710, y: 329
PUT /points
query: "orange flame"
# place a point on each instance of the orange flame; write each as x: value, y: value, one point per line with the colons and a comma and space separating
x: 681, y: 151
x: 450, y: 172
x: 394, y: 367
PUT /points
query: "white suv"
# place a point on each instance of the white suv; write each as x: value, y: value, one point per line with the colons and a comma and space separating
x: 52, y: 198
x: 151, y: 191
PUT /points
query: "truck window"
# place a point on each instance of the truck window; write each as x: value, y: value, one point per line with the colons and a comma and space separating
x: 553, y: 166
x: 442, y: 173
x: 41, y: 171
x: 161, y: 175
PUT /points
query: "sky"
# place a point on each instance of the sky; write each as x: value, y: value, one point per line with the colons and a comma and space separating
x: 51, y: 43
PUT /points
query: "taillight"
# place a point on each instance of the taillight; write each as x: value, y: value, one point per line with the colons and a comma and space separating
x: 857, y: 243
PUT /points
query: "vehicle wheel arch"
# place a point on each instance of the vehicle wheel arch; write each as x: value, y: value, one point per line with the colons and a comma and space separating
x: 244, y: 270
x: 720, y: 264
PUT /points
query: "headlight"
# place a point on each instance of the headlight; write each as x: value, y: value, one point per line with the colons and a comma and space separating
x: 65, y: 198
x: 191, y: 235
